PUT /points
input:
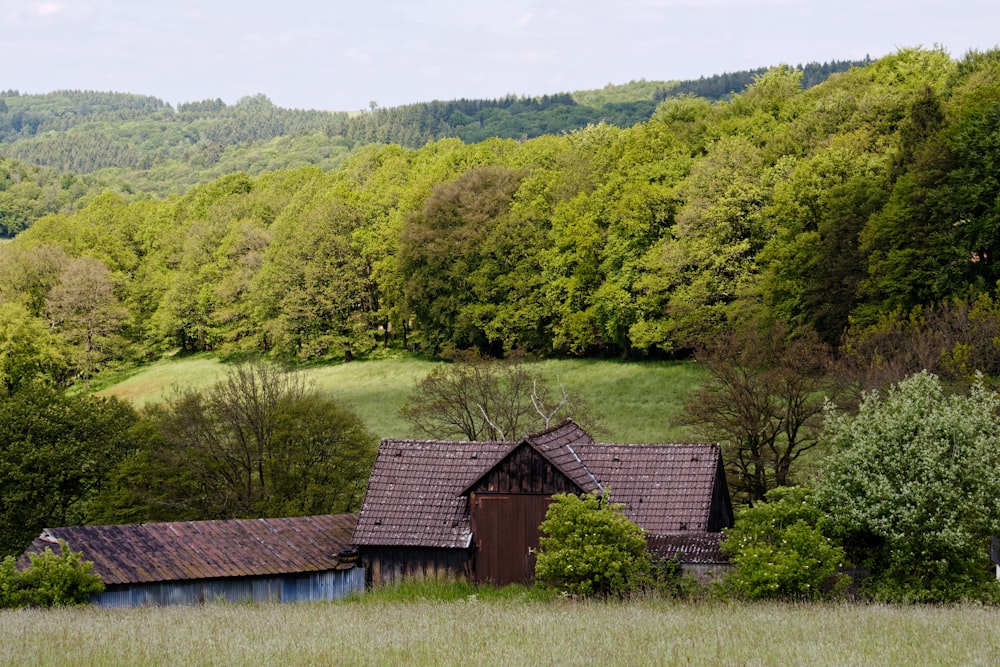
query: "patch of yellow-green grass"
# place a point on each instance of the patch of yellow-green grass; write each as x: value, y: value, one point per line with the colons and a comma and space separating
x: 156, y: 382
x: 636, y: 400
x: 374, y: 389
x: 498, y: 632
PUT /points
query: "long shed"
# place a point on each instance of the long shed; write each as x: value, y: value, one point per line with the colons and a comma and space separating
x: 241, y: 560
x: 471, y: 510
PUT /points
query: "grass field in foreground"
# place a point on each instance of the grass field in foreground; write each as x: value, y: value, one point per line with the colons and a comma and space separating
x: 636, y: 400
x: 495, y: 632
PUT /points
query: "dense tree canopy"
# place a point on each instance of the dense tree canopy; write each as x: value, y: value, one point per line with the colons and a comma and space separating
x: 56, y: 453
x: 258, y: 443
x: 833, y: 207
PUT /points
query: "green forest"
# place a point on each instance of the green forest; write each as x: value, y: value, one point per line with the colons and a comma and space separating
x: 858, y: 207
x: 137, y: 144
x: 851, y: 213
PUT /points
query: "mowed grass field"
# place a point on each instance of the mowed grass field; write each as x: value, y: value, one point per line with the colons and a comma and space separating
x: 498, y: 632
x: 637, y: 401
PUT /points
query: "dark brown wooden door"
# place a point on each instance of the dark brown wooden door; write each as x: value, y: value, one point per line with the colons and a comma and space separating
x: 505, y: 533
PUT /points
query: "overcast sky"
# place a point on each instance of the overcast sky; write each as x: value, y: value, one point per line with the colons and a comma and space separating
x: 335, y: 55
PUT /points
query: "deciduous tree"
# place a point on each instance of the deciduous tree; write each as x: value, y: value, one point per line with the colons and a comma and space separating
x: 914, y: 487
x: 56, y: 453
x: 764, y: 398
x: 477, y: 398
x: 258, y: 443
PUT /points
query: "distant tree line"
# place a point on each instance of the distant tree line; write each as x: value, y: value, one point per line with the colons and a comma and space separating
x: 141, y: 144
x: 722, y: 86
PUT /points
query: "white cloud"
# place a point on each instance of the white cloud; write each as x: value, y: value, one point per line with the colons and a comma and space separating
x: 49, y: 11
x: 356, y: 55
x: 710, y: 4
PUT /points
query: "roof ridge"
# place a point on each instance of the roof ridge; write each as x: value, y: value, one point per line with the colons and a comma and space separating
x: 550, y: 429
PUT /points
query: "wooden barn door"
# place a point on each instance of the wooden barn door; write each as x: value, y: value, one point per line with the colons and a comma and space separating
x: 505, y: 531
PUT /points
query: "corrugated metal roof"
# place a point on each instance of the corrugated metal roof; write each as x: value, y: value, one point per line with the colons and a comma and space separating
x: 415, y: 494
x: 170, y: 551
x: 688, y: 547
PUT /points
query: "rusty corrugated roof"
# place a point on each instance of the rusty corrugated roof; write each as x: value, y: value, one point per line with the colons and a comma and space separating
x: 688, y: 547
x: 415, y: 494
x: 169, y: 551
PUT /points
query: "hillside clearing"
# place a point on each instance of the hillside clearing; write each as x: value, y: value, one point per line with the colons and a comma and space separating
x: 636, y: 400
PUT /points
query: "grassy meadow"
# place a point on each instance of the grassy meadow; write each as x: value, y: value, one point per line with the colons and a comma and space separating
x: 636, y: 400
x: 473, y: 631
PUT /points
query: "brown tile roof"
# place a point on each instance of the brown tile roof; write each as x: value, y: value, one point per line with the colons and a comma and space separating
x: 688, y: 547
x: 563, y: 445
x: 206, y: 549
x: 665, y: 488
x: 415, y: 494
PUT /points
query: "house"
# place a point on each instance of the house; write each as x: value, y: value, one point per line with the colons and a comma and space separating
x: 188, y: 562
x: 471, y: 510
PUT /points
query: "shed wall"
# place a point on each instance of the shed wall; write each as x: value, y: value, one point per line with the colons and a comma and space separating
x: 721, y: 512
x: 304, y: 587
x: 386, y: 566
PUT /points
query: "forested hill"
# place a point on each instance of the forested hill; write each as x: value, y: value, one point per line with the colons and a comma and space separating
x: 867, y: 206
x: 144, y: 144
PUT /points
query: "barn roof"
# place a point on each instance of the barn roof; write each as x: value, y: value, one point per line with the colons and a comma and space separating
x: 414, y: 494
x: 665, y: 488
x: 697, y: 547
x: 417, y: 492
x: 139, y: 553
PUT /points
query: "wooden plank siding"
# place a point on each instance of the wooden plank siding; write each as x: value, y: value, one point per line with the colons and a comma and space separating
x: 524, y: 470
x: 506, y: 530
x: 387, y: 565
x: 721, y: 513
x: 309, y: 587
x: 507, y: 505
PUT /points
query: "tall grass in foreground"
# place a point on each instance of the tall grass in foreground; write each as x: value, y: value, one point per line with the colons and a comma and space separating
x: 636, y: 400
x: 496, y: 632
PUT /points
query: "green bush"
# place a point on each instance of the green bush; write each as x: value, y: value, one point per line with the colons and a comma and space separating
x: 51, y: 580
x: 779, y: 550
x: 589, y: 548
x: 913, y: 486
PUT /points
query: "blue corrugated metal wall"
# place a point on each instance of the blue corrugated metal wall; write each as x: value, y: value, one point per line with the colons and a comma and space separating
x: 311, y: 587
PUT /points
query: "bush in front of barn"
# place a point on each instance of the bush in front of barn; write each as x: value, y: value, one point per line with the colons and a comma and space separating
x: 590, y: 548
x: 781, y: 550
x: 51, y: 580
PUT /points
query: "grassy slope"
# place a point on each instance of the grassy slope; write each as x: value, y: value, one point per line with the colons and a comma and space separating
x: 636, y: 400
x: 503, y: 632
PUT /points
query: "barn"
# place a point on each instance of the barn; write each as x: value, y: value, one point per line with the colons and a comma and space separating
x: 471, y: 510
x: 240, y: 560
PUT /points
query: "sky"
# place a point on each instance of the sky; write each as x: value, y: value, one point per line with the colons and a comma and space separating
x: 340, y: 56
